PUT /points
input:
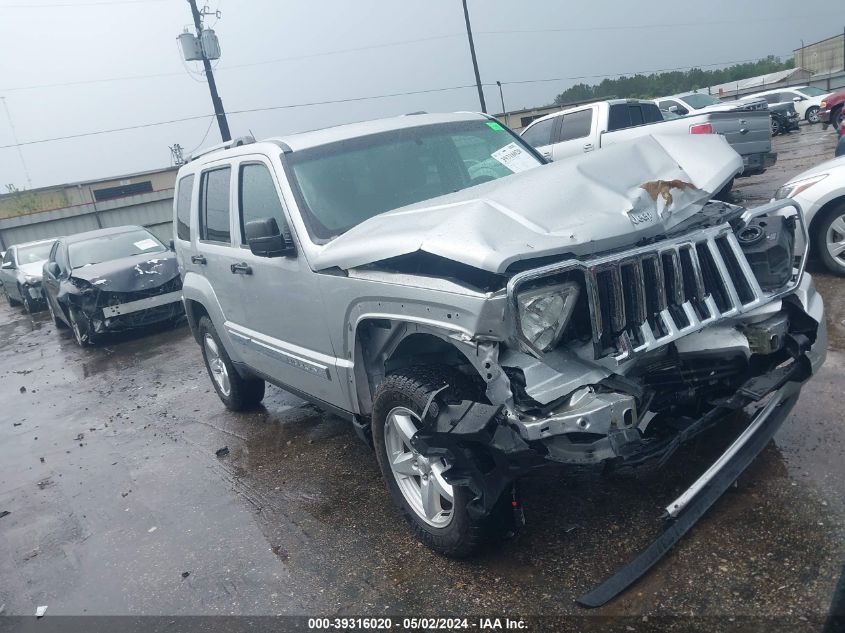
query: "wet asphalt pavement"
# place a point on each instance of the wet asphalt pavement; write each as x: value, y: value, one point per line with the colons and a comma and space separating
x: 109, y: 475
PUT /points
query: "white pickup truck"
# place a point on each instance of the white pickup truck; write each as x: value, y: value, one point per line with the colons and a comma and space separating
x: 591, y: 126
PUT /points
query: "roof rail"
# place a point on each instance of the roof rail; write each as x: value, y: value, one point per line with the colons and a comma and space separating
x: 235, y: 142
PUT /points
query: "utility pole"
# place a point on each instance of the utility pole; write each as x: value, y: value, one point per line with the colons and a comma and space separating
x: 504, y: 112
x: 219, y: 112
x: 474, y: 60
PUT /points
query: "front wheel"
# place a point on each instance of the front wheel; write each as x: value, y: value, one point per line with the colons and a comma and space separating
x: 837, y: 117
x: 775, y: 127
x: 236, y: 392
x: 61, y: 325
x: 80, y: 327
x: 27, y: 301
x: 812, y: 115
x: 830, y: 239
x: 435, y: 509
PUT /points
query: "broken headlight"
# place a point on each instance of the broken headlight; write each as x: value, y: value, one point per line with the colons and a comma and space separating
x: 544, y: 313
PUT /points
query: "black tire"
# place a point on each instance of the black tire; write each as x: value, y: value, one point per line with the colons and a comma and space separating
x: 775, y: 127
x: 79, y: 326
x: 12, y: 302
x: 836, y: 117
x: 411, y: 388
x: 812, y: 115
x: 243, y: 393
x: 820, y: 228
x: 724, y: 194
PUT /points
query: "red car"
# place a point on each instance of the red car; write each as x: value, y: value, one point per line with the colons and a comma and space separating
x: 831, y: 111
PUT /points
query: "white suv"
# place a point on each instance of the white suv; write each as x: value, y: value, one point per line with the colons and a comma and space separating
x: 807, y: 100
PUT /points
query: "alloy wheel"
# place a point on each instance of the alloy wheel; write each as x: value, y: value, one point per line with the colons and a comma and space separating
x: 216, y: 366
x: 420, y: 479
x: 835, y: 239
x: 813, y: 115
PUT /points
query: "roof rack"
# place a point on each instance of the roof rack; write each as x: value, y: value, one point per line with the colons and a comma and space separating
x: 235, y: 142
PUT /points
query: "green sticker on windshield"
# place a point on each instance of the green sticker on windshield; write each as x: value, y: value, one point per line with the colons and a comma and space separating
x: 493, y: 125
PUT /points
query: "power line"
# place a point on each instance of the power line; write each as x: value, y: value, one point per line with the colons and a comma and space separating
x: 71, y: 5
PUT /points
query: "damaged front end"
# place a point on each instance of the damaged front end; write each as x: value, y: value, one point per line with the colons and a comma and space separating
x: 616, y: 360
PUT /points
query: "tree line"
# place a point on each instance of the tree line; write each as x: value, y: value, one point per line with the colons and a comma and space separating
x: 672, y: 82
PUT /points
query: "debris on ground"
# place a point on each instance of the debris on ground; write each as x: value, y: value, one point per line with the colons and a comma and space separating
x: 16, y: 423
x: 4, y: 513
x: 222, y: 452
x: 79, y: 436
x: 40, y: 611
x: 185, y: 574
x: 42, y: 459
x: 152, y: 529
x: 23, y: 389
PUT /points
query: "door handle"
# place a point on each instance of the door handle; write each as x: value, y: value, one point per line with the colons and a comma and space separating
x: 241, y: 269
x: 198, y: 259
x: 588, y: 147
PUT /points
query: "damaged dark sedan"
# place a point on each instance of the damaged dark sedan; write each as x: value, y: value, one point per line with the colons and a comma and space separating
x: 111, y: 280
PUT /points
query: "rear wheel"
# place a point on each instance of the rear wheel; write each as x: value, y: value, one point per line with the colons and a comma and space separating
x: 236, y: 392
x: 812, y: 115
x: 435, y: 509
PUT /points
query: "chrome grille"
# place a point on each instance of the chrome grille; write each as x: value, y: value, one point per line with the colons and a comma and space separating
x: 643, y: 300
x: 647, y: 297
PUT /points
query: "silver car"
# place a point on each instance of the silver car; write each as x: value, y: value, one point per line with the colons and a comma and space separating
x: 476, y: 313
x: 20, y: 274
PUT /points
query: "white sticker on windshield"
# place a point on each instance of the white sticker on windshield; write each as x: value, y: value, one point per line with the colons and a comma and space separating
x: 146, y: 244
x: 515, y: 158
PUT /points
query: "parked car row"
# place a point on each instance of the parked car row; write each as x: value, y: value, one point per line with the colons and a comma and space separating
x: 97, y: 282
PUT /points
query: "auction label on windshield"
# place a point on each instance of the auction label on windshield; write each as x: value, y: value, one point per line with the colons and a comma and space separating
x: 145, y: 244
x: 514, y: 158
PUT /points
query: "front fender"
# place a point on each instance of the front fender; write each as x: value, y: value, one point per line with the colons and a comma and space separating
x: 197, y: 288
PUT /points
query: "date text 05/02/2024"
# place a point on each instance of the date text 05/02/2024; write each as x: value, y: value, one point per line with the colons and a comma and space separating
x: 411, y: 624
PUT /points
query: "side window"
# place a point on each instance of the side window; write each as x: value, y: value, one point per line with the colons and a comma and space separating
x: 183, y: 207
x: 61, y: 257
x: 770, y: 99
x: 618, y: 118
x: 665, y: 105
x: 651, y: 113
x: 214, y: 205
x: 636, y: 115
x: 576, y: 125
x: 257, y: 197
x: 540, y: 134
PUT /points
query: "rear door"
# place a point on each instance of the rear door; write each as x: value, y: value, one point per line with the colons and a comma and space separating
x: 279, y: 323
x: 575, y: 135
x: 214, y: 253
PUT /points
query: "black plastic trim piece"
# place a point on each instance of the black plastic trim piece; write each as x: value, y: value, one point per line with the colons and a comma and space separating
x: 674, y: 530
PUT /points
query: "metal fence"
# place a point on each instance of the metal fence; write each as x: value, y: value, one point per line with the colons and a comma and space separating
x: 151, y: 210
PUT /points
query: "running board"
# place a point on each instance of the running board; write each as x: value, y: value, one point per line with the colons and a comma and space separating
x: 708, y: 493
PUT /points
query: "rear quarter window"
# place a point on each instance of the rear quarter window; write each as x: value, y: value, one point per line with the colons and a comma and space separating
x: 184, y: 191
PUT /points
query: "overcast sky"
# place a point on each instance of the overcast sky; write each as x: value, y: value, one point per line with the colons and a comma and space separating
x: 283, y: 52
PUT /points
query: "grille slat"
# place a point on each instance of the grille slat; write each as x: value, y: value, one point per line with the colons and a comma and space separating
x: 649, y: 299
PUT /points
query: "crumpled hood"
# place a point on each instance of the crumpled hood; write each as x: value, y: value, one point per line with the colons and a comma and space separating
x: 582, y: 205
x: 130, y: 274
x: 35, y: 269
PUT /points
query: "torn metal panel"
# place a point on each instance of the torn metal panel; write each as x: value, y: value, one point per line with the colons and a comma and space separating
x: 583, y: 205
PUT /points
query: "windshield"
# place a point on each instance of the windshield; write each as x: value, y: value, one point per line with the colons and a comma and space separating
x: 108, y: 247
x: 697, y: 101
x: 344, y: 183
x: 34, y: 254
x: 812, y: 91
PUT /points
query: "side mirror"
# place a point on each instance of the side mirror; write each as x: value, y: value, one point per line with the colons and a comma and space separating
x: 8, y: 265
x: 797, y: 99
x: 266, y: 240
x: 52, y: 268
